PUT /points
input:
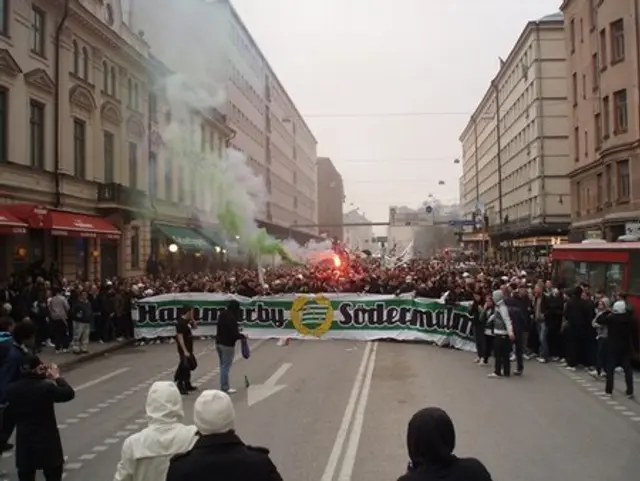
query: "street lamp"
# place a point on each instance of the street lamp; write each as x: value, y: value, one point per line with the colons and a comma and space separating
x: 173, y: 248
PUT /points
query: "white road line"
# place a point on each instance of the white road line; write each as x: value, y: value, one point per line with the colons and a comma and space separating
x: 636, y: 419
x: 334, y: 457
x: 101, y: 379
x: 73, y: 466
x: 100, y: 449
x: 111, y: 441
x: 628, y: 413
x: 87, y: 457
x: 349, y: 459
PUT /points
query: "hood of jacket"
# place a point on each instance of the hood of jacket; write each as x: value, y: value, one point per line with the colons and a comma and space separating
x: 165, y: 435
x: 5, y: 336
x: 498, y: 296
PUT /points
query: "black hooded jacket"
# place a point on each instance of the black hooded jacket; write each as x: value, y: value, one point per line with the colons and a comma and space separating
x: 431, y: 440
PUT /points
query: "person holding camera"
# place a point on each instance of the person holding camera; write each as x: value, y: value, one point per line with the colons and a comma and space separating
x: 33, y: 398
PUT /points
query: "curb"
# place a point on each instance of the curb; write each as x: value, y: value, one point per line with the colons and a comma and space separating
x: 75, y: 362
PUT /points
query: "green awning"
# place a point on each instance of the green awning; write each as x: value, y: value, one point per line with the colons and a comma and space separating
x: 187, y: 239
x: 212, y: 234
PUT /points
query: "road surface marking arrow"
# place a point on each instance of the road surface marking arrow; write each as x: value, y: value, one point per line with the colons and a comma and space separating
x: 259, y: 392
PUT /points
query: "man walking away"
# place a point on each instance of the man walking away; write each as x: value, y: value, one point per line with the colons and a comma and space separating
x: 187, y: 361
x: 81, y: 313
x: 539, y: 318
x: 219, y: 453
x: 227, y: 334
x: 146, y: 455
x: 59, y: 310
x: 619, y: 345
x: 518, y: 317
x: 503, y: 336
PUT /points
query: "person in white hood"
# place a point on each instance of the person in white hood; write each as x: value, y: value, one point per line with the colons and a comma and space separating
x: 146, y: 455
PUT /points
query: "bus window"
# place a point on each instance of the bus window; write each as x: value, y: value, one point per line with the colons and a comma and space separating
x: 566, y: 274
x: 634, y: 273
x: 613, y: 279
x: 597, y: 275
x: 582, y: 273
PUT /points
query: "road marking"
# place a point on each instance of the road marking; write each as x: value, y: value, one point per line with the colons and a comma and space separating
x: 259, y: 392
x: 636, y: 419
x: 619, y: 408
x: 628, y: 413
x: 349, y: 460
x: 101, y: 379
x: 82, y: 415
x: 111, y: 441
x: 332, y: 463
x: 100, y: 449
x: 73, y: 465
x: 122, y: 433
x: 93, y: 410
x: 87, y: 457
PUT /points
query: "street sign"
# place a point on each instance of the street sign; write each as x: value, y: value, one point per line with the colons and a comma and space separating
x: 462, y: 223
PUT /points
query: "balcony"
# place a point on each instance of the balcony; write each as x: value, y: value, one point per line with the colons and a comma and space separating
x: 114, y: 195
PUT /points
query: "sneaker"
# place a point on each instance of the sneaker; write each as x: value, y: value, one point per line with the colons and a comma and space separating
x: 608, y: 394
x: 476, y: 360
x: 631, y: 396
x: 570, y: 368
x: 493, y: 375
x: 542, y: 360
x: 517, y: 373
x: 512, y: 357
x: 593, y: 372
x: 231, y: 391
x: 192, y: 388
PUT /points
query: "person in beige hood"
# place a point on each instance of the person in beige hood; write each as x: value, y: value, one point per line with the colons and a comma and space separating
x: 146, y: 455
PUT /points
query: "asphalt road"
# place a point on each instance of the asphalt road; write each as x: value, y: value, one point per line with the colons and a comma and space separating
x: 343, y: 410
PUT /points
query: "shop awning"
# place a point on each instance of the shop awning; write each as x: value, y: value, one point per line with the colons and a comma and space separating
x: 186, y: 239
x: 10, y: 224
x: 62, y: 223
x: 213, y: 236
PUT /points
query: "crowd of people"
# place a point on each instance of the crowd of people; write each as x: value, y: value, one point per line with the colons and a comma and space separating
x: 517, y: 314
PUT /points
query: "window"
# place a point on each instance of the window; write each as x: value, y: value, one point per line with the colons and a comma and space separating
x: 621, y: 119
x: 603, y: 49
x: 595, y: 72
x: 572, y: 33
x: 609, y: 180
x: 36, y: 134
x: 85, y: 63
x: 581, y: 31
x: 109, y: 157
x: 613, y: 279
x: 4, y: 17
x: 153, y: 175
x: 606, y: 117
x: 3, y: 124
x: 136, y: 96
x: 578, y: 195
x: 180, y: 180
x: 105, y: 77
x: 135, y: 247
x: 599, y: 191
x: 574, y: 88
x: 153, y: 107
x: 584, y: 87
x: 624, y: 181
x: 617, y: 41
x: 76, y: 58
x: 113, y: 80
x: 576, y: 143
x: 130, y: 92
x: 586, y: 144
x: 133, y: 165
x: 168, y: 179
x: 598, y: 126
x: 38, y: 35
x: 79, y: 148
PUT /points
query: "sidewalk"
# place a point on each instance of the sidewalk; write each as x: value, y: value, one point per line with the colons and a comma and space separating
x: 69, y: 360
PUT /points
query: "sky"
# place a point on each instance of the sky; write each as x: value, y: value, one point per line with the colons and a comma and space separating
x: 387, y: 86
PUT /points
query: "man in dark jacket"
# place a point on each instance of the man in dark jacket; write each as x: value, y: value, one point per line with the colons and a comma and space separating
x: 38, y: 444
x: 219, y: 453
x: 518, y: 312
x: 227, y: 334
x: 619, y: 345
x: 14, y: 350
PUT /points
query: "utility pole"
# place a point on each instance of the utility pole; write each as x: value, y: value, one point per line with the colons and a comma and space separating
x: 499, y: 146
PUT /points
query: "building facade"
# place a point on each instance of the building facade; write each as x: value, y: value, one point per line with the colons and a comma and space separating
x: 604, y: 73
x: 270, y: 131
x: 358, y: 237
x: 516, y: 159
x: 80, y: 148
x: 330, y: 199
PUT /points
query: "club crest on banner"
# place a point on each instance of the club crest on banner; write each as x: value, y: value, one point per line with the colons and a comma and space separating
x: 313, y: 311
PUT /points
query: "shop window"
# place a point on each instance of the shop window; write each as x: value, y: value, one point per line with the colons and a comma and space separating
x: 82, y: 258
x: 135, y: 247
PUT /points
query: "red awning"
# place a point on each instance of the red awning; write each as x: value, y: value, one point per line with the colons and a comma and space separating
x: 10, y: 224
x: 61, y: 223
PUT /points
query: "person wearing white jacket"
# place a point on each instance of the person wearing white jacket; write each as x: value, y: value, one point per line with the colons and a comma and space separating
x: 146, y: 454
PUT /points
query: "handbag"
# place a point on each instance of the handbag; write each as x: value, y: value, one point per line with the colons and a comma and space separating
x: 244, y: 347
x: 190, y: 362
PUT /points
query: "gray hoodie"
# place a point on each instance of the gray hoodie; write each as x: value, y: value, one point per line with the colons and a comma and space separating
x: 502, y: 325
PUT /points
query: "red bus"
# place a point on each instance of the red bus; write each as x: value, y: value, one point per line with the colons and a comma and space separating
x: 609, y: 267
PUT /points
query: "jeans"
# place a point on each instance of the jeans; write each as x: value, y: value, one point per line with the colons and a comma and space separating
x: 225, y: 355
x: 81, y: 336
x: 519, y: 345
x: 502, y: 352
x: 543, y: 340
x: 601, y: 356
x: 617, y: 358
